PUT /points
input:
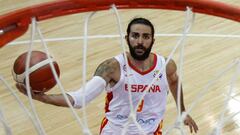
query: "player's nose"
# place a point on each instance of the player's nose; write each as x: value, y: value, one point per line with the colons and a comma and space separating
x: 140, y: 41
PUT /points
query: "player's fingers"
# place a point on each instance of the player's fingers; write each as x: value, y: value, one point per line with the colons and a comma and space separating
x: 21, y: 88
x: 190, y: 127
x: 195, y: 127
x: 23, y: 91
x: 185, y: 122
x: 191, y: 123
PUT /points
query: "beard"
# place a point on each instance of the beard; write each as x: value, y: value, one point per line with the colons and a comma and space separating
x: 143, y: 56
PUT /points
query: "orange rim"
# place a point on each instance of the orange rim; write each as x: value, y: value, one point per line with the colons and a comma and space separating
x: 15, y: 24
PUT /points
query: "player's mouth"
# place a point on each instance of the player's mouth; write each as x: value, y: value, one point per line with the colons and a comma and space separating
x: 139, y: 51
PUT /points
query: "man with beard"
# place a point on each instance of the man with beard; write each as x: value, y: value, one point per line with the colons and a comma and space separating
x: 125, y: 87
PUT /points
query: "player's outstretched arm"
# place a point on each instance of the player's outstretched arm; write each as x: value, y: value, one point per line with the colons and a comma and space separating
x: 54, y: 99
x: 172, y: 77
x: 104, y: 74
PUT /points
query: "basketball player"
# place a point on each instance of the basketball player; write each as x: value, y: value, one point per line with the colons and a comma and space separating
x: 112, y: 76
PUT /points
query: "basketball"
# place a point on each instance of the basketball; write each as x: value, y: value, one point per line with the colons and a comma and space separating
x: 40, y: 74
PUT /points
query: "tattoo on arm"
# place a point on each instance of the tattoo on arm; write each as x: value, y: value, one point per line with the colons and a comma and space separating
x: 105, y: 69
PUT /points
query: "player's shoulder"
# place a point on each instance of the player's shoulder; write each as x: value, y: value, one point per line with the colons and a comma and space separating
x: 107, y: 69
x: 171, y: 66
x: 109, y: 65
x: 110, y: 62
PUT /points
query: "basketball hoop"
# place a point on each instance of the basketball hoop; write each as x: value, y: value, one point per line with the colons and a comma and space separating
x: 16, y: 23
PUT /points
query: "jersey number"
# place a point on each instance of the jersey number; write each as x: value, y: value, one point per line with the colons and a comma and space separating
x: 140, y: 107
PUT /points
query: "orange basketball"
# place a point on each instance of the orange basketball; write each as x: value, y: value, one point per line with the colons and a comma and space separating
x: 41, y: 76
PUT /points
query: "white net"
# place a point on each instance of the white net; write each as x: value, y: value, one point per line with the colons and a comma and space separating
x: 211, y: 91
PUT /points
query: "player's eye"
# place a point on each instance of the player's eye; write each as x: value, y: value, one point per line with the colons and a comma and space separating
x: 135, y: 35
x: 146, y: 36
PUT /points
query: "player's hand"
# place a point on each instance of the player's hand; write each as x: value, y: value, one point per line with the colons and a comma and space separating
x: 35, y: 95
x: 191, y: 124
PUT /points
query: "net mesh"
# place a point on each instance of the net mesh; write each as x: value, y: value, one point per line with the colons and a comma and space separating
x: 226, y: 85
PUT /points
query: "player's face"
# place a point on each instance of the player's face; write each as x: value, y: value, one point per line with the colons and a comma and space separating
x: 140, y: 41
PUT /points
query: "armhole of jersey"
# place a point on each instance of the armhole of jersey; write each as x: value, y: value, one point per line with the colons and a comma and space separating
x: 118, y: 58
x: 165, y: 72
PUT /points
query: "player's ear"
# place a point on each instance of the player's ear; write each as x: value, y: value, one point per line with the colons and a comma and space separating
x: 126, y: 38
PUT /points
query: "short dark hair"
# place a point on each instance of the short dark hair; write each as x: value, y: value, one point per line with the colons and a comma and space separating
x: 140, y: 20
